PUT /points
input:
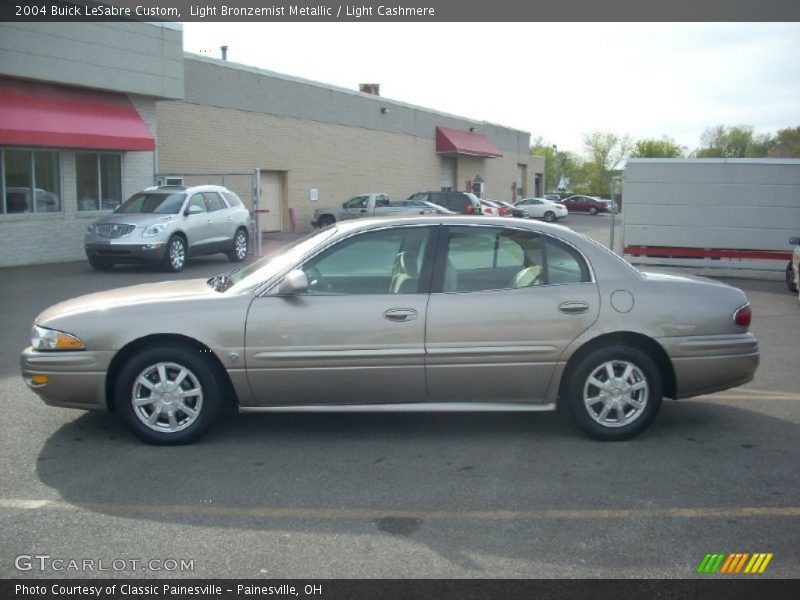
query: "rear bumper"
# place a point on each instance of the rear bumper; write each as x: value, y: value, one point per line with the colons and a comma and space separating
x: 706, y: 364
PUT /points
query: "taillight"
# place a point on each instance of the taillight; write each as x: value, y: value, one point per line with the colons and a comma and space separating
x: 743, y: 315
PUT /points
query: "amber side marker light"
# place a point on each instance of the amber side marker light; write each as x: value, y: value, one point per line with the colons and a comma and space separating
x: 40, y: 379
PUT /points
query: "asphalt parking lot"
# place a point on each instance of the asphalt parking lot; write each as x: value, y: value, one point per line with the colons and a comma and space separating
x: 398, y: 496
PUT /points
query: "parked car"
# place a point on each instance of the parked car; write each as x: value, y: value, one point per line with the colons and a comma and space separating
x: 463, y: 203
x: 165, y: 225
x: 430, y: 206
x: 400, y: 314
x: 552, y: 197
x: 539, y: 208
x: 370, y: 204
x: 793, y: 268
x: 587, y: 204
x: 509, y: 210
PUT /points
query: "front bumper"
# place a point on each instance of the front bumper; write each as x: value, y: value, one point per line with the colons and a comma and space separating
x: 706, y: 364
x: 74, y: 379
x: 127, y: 253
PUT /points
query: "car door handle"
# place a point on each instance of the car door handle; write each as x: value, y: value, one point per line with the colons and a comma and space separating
x: 400, y: 314
x: 573, y: 308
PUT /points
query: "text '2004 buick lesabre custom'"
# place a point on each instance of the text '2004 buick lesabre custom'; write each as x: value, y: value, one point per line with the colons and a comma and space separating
x: 429, y: 313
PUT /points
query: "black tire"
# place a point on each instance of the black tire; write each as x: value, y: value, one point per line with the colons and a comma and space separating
x: 593, y: 210
x: 790, y: 282
x: 175, y: 255
x: 549, y: 216
x: 239, y: 246
x: 101, y: 264
x: 202, y: 375
x: 634, y: 409
x: 325, y: 220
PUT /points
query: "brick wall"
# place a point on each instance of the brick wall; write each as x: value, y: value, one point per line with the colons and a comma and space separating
x: 338, y: 160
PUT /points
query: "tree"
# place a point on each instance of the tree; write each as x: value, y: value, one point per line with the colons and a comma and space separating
x: 663, y: 148
x: 547, y: 152
x: 734, y: 142
x: 605, y: 153
x: 787, y: 143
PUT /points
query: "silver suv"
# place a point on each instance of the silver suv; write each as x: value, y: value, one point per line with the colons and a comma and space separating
x: 164, y: 225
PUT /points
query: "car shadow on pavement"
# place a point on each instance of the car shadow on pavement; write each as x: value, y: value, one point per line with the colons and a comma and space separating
x: 410, y: 475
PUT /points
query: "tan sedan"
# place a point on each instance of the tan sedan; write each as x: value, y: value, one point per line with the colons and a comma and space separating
x: 417, y: 314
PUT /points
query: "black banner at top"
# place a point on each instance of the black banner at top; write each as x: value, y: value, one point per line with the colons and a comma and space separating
x: 402, y: 10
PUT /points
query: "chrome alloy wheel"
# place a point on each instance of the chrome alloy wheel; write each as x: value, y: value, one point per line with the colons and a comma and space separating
x: 167, y: 397
x: 616, y: 393
x: 177, y: 254
x: 240, y: 245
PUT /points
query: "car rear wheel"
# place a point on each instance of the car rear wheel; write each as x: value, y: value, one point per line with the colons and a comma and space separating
x: 175, y: 257
x: 549, y: 216
x: 790, y: 282
x: 326, y: 220
x: 592, y: 210
x: 101, y: 264
x: 614, y: 393
x: 238, y: 251
x: 168, y: 395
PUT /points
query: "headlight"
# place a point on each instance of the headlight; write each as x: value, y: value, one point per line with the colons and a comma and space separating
x: 154, y: 230
x: 90, y: 229
x: 51, y: 339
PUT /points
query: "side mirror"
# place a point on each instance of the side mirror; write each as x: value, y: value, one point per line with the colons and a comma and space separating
x: 344, y: 204
x: 795, y: 240
x: 193, y: 210
x: 295, y: 282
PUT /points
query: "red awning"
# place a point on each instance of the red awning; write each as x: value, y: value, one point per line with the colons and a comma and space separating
x: 453, y: 141
x: 41, y: 114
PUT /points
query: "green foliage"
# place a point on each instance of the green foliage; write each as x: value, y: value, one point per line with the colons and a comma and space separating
x: 663, y: 148
x: 738, y: 141
x: 787, y: 143
x: 605, y: 152
x: 550, y: 169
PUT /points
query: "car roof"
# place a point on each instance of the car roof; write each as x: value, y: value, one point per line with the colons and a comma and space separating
x: 165, y: 189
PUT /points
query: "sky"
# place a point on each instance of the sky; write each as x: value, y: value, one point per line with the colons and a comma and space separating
x: 557, y: 81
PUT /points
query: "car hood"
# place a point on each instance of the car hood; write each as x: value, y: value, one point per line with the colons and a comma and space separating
x: 139, y: 219
x: 148, y: 293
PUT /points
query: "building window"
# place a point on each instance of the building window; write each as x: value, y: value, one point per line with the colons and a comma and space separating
x: 30, y: 181
x: 98, y: 180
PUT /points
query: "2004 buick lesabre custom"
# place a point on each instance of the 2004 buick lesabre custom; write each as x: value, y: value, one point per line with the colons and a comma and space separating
x: 413, y: 314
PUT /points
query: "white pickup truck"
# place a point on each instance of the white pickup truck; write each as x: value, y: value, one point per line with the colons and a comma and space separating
x: 364, y: 205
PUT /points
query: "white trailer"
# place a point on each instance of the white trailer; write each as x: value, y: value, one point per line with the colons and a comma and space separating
x: 729, y: 217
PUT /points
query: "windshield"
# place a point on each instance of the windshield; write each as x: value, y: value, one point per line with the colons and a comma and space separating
x: 270, y: 265
x: 162, y: 204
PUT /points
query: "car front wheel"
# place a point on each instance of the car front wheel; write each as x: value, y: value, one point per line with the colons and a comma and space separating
x: 175, y: 258
x: 238, y: 251
x: 168, y: 395
x: 614, y: 393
